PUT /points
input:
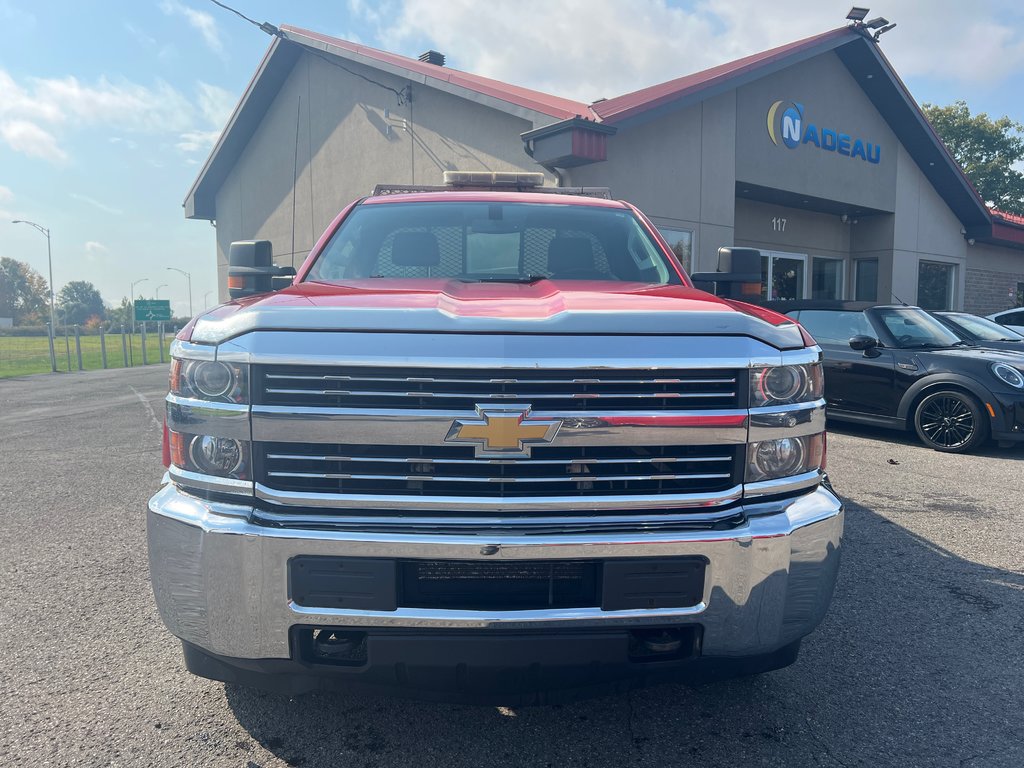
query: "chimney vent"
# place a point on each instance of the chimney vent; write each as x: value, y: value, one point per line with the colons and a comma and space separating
x: 432, y: 57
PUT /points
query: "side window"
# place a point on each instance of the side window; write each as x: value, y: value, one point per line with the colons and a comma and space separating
x: 1012, y: 318
x: 835, y: 327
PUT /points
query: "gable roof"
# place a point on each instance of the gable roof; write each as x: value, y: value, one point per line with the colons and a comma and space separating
x: 631, y: 106
x: 277, y: 64
x: 436, y: 76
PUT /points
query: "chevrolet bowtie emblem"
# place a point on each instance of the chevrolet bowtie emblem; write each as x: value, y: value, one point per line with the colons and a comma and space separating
x: 505, y: 431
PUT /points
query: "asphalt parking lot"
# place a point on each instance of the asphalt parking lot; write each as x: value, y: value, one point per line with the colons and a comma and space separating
x: 919, y: 663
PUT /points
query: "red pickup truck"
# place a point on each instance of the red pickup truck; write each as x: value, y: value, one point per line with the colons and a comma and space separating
x: 490, y: 446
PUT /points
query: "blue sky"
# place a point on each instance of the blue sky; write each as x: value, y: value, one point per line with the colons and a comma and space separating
x: 108, y: 109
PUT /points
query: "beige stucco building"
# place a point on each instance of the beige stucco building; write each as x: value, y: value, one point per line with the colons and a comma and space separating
x: 813, y: 152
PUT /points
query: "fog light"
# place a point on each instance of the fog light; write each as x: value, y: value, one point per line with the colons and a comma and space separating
x: 216, y: 455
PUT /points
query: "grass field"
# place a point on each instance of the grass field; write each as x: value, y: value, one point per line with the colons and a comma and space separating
x: 22, y: 355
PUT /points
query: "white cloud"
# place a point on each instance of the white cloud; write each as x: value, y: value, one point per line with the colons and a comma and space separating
x: 6, y: 195
x: 123, y: 104
x: 587, y: 49
x: 97, y: 204
x: 36, y: 112
x: 95, y: 251
x: 201, y: 21
x: 31, y: 140
x: 140, y: 36
x: 215, y: 103
x: 195, y: 141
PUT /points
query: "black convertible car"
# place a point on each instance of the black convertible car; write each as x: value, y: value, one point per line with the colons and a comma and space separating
x: 899, y: 367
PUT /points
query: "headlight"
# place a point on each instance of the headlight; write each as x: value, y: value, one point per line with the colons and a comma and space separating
x: 210, y: 455
x: 209, y: 380
x: 785, y: 384
x: 784, y: 457
x: 1008, y: 375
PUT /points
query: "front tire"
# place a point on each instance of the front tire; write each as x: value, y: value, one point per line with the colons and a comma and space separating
x: 951, y: 421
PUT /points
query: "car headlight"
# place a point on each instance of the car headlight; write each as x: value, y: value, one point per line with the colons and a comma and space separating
x: 209, y: 380
x: 785, y: 384
x: 210, y: 455
x: 784, y: 457
x: 1008, y: 375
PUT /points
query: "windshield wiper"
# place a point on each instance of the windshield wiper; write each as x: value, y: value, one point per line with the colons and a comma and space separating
x: 520, y: 279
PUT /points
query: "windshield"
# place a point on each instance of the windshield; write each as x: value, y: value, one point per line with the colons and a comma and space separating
x: 915, y: 328
x: 982, y: 329
x: 504, y: 242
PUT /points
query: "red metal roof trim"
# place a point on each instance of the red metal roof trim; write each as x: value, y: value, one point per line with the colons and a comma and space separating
x: 545, y: 103
x: 629, y: 104
x: 1006, y: 217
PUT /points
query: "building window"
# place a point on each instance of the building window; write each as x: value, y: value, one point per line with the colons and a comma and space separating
x: 935, y: 283
x: 681, y: 241
x: 1020, y: 295
x: 826, y: 278
x: 782, y: 275
x: 865, y: 280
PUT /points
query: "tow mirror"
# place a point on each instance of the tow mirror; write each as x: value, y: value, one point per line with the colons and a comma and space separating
x: 863, y: 343
x: 738, y: 275
x: 251, y: 269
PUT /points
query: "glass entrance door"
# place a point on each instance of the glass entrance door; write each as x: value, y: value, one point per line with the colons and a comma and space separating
x: 783, y: 275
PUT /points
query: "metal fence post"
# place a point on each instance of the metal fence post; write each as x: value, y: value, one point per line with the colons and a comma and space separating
x: 103, y: 347
x: 53, y: 357
x: 124, y: 347
x: 144, y: 360
x: 78, y: 348
x: 160, y: 338
x: 67, y: 344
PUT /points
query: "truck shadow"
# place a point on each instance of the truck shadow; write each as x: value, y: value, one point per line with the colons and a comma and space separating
x: 917, y: 663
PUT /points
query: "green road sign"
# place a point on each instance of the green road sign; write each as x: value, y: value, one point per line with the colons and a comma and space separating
x: 152, y: 310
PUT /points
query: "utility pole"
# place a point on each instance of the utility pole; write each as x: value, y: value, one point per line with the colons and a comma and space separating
x: 189, y: 278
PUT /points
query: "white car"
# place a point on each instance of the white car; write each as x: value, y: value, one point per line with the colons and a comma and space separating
x: 1010, y: 318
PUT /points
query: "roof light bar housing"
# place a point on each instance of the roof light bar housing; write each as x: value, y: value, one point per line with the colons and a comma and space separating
x: 492, y: 179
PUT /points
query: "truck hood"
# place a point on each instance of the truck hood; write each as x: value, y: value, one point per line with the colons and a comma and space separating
x: 453, y: 306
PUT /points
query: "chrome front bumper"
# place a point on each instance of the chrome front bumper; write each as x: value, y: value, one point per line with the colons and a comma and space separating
x: 221, y: 582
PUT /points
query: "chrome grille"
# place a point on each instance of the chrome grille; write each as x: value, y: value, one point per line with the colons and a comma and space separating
x: 552, y: 471
x: 461, y: 389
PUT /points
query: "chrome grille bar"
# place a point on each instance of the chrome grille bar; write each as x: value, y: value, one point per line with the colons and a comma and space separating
x: 501, y: 395
x: 630, y: 389
x: 515, y: 462
x: 458, y: 479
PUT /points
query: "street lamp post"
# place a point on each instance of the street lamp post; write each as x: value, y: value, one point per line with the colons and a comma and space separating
x: 49, y: 264
x: 189, y: 278
x: 162, y: 285
x: 206, y: 302
x: 133, y: 299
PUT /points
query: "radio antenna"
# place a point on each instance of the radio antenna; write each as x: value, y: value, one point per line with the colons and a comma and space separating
x: 901, y: 301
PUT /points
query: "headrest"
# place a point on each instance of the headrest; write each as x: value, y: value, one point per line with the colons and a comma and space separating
x: 567, y: 254
x: 415, y: 249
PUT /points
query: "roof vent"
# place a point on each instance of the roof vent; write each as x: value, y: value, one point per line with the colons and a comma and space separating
x: 432, y: 57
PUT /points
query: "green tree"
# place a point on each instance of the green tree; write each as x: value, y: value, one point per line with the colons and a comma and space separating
x: 986, y: 149
x: 120, y: 315
x: 24, y: 294
x: 79, y: 300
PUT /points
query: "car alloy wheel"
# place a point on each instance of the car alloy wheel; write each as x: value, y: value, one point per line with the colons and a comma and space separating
x: 950, y: 421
